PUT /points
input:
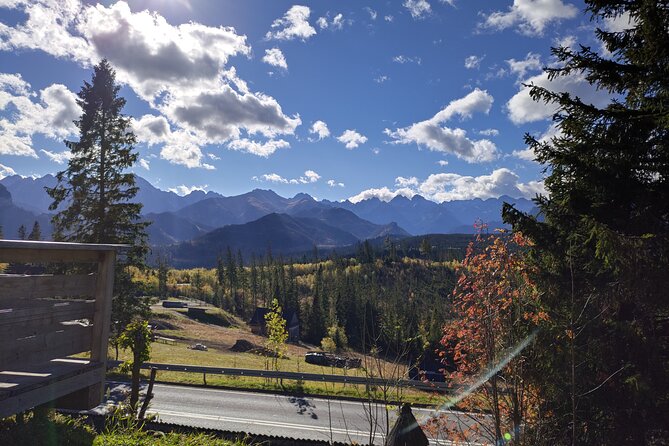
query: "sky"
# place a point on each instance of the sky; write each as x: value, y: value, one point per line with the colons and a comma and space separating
x: 345, y: 99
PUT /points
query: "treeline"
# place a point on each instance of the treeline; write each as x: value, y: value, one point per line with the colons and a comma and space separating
x: 395, y: 305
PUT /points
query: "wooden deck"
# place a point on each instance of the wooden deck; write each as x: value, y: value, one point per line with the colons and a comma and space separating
x: 45, y: 318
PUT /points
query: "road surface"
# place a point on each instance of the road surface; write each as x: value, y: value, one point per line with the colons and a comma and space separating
x: 278, y: 415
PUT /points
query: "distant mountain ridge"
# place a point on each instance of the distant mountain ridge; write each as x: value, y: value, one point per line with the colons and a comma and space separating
x: 177, y: 219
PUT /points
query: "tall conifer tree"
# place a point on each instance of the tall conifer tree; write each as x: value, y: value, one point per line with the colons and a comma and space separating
x: 603, y: 241
x: 97, y: 188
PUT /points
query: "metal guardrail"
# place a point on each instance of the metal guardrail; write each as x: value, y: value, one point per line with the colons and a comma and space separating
x: 271, y: 374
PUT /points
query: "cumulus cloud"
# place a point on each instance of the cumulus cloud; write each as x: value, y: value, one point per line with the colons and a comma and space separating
x: 6, y: 171
x: 352, y: 139
x: 50, y: 113
x: 530, y: 17
x: 58, y: 157
x: 442, y: 163
x: 293, y: 25
x: 275, y: 57
x: 181, y: 71
x: 450, y: 186
x: 527, y: 154
x: 309, y: 177
x: 473, y: 62
x: 144, y: 164
x: 154, y: 56
x: 333, y: 183
x: 383, y: 194
x: 521, y: 108
x: 185, y: 190
x: 257, y: 148
x: 532, y: 62
x: 220, y: 114
x: 489, y: 132
x: 418, y: 8
x: 402, y: 59
x: 372, y: 13
x: 436, y: 137
x: 442, y: 187
x: 406, y: 182
x: 320, y: 129
x: 336, y: 24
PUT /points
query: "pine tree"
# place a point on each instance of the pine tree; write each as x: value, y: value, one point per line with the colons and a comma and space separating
x: 36, y: 232
x: 21, y: 232
x: 603, y: 242
x: 98, y: 189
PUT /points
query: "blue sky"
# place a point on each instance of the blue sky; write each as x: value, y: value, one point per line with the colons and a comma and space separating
x: 339, y: 99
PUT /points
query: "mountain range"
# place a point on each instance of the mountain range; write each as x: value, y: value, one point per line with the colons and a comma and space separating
x: 202, y: 223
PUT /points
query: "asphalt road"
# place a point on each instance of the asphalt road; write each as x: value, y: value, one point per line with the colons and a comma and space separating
x: 280, y: 415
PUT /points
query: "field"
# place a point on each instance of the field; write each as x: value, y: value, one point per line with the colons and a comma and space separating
x: 220, y: 332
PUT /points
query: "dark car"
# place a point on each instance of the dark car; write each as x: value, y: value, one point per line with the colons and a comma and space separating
x: 328, y: 359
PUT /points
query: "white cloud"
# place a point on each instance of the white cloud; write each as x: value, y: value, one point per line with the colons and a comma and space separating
x: 333, y: 183
x: 450, y: 186
x: 213, y: 157
x: 185, y: 190
x: 527, y: 154
x: 220, y: 114
x: 320, y: 129
x: 144, y: 164
x: 389, y: 18
x: 530, y: 16
x: 309, y: 177
x: 336, y: 24
x: 532, y: 62
x: 442, y: 163
x: 521, y: 108
x: 151, y: 129
x: 6, y: 171
x: 489, y: 132
x: 619, y: 23
x: 402, y: 59
x: 275, y: 57
x: 293, y: 25
x: 50, y: 113
x: 442, y: 187
x: 372, y: 13
x: 182, y: 150
x: 473, y: 62
x: 383, y: 194
x: 263, y: 149
x: 402, y: 182
x: 435, y: 137
x: 154, y: 56
x: 381, y: 79
x: 58, y: 157
x: 352, y: 139
x: 418, y: 8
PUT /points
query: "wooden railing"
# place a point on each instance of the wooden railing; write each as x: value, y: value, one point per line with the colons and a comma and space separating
x: 47, y: 317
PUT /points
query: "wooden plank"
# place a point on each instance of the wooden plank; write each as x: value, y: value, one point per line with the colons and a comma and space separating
x: 58, y: 387
x: 59, y: 246
x: 21, y: 255
x: 35, y: 287
x: 103, y: 306
x: 21, y: 322
x: 45, y: 346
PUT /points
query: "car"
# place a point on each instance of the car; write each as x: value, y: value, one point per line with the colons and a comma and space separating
x: 198, y: 346
x: 329, y: 359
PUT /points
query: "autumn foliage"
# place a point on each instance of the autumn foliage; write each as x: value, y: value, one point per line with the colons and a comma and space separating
x: 495, y: 315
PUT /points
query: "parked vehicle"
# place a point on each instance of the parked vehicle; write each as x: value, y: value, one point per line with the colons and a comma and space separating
x: 329, y: 359
x: 198, y: 346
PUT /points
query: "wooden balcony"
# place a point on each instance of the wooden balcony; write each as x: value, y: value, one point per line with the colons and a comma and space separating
x: 45, y: 318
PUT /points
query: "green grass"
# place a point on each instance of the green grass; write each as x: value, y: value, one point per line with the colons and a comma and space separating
x: 60, y: 430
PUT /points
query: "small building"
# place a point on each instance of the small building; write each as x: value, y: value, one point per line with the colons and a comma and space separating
x: 259, y: 326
